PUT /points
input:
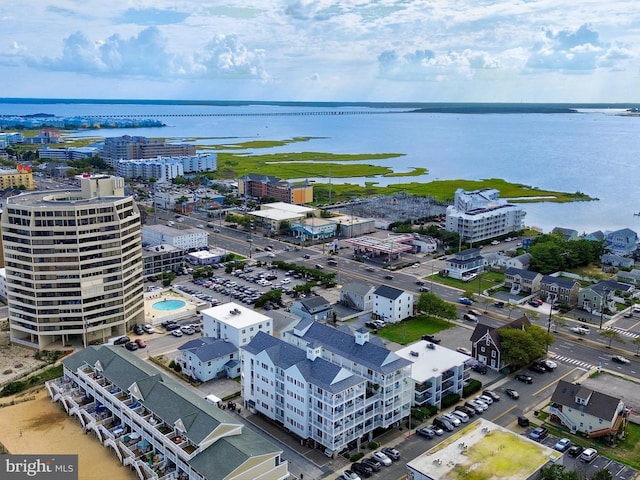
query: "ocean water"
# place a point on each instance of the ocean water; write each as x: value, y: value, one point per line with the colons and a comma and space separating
x: 594, y: 151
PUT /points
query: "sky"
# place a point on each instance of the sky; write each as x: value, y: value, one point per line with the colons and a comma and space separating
x: 573, y: 51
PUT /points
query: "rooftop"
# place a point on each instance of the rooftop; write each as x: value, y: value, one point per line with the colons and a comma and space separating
x: 430, y: 362
x: 234, y: 314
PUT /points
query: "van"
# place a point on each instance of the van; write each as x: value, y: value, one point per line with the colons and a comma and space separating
x: 212, y: 399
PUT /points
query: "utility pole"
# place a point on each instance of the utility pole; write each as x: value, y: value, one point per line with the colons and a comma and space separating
x: 602, y: 303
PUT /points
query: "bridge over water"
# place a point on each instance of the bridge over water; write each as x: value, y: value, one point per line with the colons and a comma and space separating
x: 261, y: 114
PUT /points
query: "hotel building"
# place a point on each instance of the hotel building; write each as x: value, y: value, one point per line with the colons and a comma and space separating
x: 73, y: 264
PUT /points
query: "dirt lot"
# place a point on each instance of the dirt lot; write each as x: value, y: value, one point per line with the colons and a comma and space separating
x: 15, y: 361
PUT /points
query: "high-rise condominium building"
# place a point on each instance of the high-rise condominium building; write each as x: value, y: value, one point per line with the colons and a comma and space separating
x: 74, y: 264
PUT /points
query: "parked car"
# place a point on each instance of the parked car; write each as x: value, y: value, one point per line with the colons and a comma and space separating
x: 141, y: 343
x: 382, y: 458
x: 481, y: 368
x: 176, y: 332
x: 131, y: 346
x: 470, y: 412
x: 499, y: 304
x: 375, y: 465
x: 588, y: 455
x: 620, y: 359
x: 465, y: 301
x: 121, y: 340
x: 350, y: 475
x: 453, y: 419
x: 574, y: 450
x: 475, y: 407
x: 463, y: 350
x: 490, y: 393
x: 537, y: 367
x: 392, y: 453
x: 479, y: 404
x: 511, y: 393
x: 437, y: 430
x: 137, y: 329
x: 484, y: 398
x: 443, y: 423
x: 148, y: 328
x: 524, y: 378
x: 431, y: 338
x: 425, y: 432
x: 562, y: 445
x: 362, y: 469
x: 550, y: 365
x: 538, y: 433
x: 187, y: 330
x: 461, y: 415
x: 172, y: 326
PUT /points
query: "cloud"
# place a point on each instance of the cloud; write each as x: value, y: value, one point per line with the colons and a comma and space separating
x: 225, y: 56
x: 151, y: 16
x: 141, y: 55
x: 576, y: 51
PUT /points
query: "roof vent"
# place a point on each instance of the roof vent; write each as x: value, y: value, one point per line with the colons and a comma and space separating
x: 414, y: 354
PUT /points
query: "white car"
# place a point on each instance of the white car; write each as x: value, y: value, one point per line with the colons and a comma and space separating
x: 452, y: 418
x: 382, y: 458
x: 176, y: 333
x: 349, y: 475
x: 495, y: 242
x: 550, y: 364
x: 579, y: 330
x: 149, y: 328
x: 485, y: 398
x: 285, y: 281
x: 464, y: 418
x: 480, y: 404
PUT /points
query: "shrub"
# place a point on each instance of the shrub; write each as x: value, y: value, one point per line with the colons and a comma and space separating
x: 373, y: 445
x: 357, y: 456
x: 473, y: 387
x: 449, y: 400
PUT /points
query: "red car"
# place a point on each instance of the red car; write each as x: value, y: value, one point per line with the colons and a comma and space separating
x: 140, y: 343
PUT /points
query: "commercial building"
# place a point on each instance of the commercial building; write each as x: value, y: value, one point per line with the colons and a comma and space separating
x: 133, y: 148
x: 74, y: 263
x: 435, y: 372
x: 162, y: 258
x: 19, y: 177
x: 234, y: 323
x: 481, y: 214
x: 187, y: 239
x: 255, y: 186
x: 155, y: 426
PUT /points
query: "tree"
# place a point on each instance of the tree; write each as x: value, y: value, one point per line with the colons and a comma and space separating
x: 603, y: 474
x: 521, y: 347
x: 431, y: 304
x: 167, y: 277
x: 610, y: 335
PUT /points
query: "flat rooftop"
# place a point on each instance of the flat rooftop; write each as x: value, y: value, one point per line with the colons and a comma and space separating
x: 431, y: 362
x: 235, y: 315
x: 488, y: 450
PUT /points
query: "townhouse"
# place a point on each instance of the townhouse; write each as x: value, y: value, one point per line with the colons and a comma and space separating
x: 392, y: 304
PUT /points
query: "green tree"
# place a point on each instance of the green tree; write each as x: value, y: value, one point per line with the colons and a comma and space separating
x: 520, y: 347
x: 603, y: 474
x: 431, y: 304
x: 610, y: 335
x: 167, y: 277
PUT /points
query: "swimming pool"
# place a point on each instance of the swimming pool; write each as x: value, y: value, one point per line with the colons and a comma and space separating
x: 166, y: 305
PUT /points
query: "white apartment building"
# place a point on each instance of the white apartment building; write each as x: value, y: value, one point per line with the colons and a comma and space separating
x: 381, y: 401
x: 392, y: 304
x: 234, y: 323
x: 435, y: 371
x: 481, y: 214
x: 313, y: 398
x: 187, y: 239
x: 162, y: 169
x: 73, y: 264
x: 3, y: 284
x: 155, y: 426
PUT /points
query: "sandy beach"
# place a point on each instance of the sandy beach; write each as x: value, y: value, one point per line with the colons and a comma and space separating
x: 40, y: 426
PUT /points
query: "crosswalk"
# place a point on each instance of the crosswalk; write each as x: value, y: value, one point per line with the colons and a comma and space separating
x: 573, y: 361
x: 625, y: 333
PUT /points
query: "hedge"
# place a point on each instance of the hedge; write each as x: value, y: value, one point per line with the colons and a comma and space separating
x: 473, y: 387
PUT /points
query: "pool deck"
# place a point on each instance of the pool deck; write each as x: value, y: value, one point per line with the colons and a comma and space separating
x: 156, y: 317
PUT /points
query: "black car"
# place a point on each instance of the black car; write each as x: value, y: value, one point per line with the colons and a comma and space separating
x: 537, y: 367
x: 499, y: 304
x: 443, y: 423
x: 121, y: 341
x: 172, y: 326
x: 431, y: 338
x: 388, y: 277
x: 137, y: 329
x: 524, y: 378
x: 362, y: 469
x: 131, y: 346
x: 375, y: 465
x: 481, y: 368
x: 419, y: 282
x: 468, y: 410
x: 574, y: 450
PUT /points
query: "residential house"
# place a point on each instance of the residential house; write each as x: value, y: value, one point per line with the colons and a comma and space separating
x: 621, y: 242
x: 388, y: 375
x: 464, y: 264
x: 154, y: 425
x: 616, y: 260
x: 592, y: 298
x: 207, y: 358
x: 311, y: 397
x: 485, y: 343
x: 521, y: 261
x: 566, y: 233
x: 392, y: 304
x: 315, y: 307
x: 596, y: 236
x: 435, y: 372
x: 559, y: 290
x: 234, y: 323
x: 520, y: 281
x: 632, y: 277
x: 357, y: 295
x: 586, y: 411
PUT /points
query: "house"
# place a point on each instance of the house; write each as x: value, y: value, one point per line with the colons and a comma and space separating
x: 464, y: 264
x: 616, y: 260
x: 587, y: 411
x: 559, y: 290
x: 392, y: 304
x: 485, y: 343
x: 522, y: 281
x: 592, y: 298
x: 632, y: 277
x: 435, y: 372
x: 207, y: 358
x: 621, y: 242
x: 596, y: 236
x: 357, y: 295
x: 234, y: 323
x: 566, y: 233
x: 315, y: 308
x: 154, y: 425
x: 319, y: 401
x: 521, y: 261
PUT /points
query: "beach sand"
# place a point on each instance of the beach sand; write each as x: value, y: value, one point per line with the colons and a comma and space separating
x: 40, y: 426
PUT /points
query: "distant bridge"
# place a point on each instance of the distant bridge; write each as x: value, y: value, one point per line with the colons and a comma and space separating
x: 264, y: 114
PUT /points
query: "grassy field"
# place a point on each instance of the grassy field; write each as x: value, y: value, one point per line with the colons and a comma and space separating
x: 411, y: 330
x: 487, y: 280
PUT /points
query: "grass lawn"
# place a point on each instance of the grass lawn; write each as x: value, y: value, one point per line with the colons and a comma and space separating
x: 409, y: 331
x: 487, y: 280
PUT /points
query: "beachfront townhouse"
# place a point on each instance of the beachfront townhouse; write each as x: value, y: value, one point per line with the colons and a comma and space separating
x: 388, y: 391
x: 522, y: 281
x: 320, y: 402
x: 465, y: 264
x: 559, y: 290
x: 207, y: 358
x: 605, y: 292
x: 155, y: 426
